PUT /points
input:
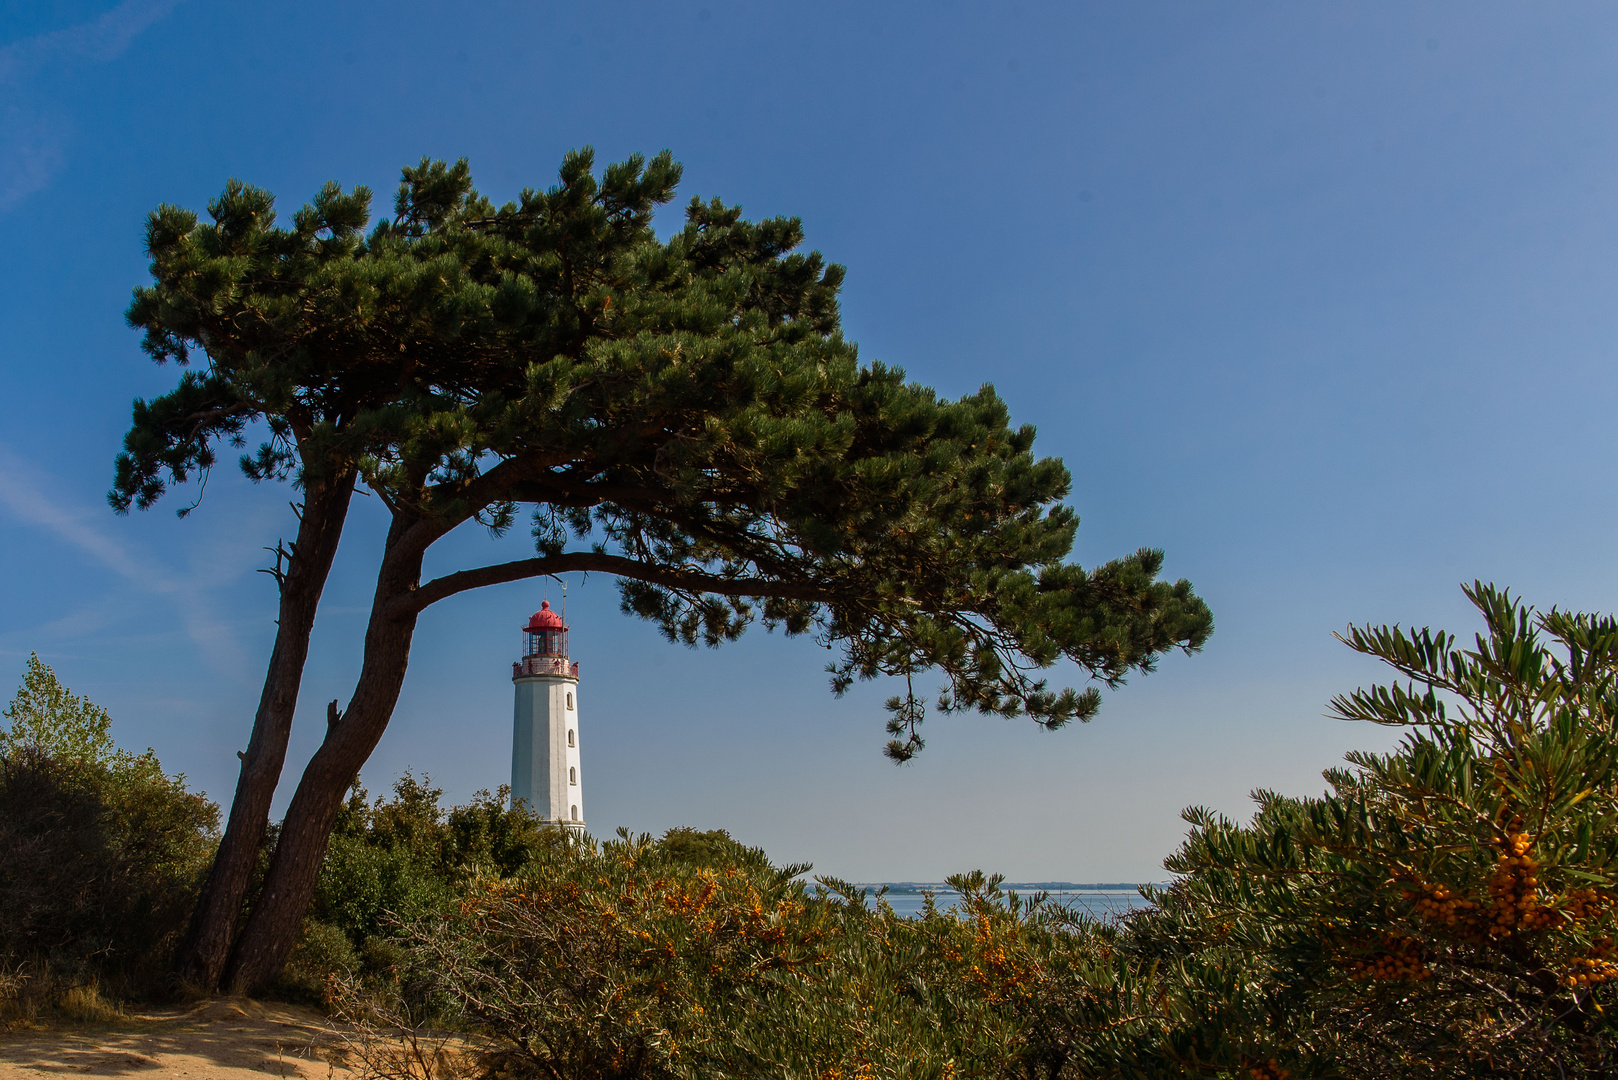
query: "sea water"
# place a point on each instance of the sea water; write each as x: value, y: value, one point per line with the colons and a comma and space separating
x: 1097, y: 901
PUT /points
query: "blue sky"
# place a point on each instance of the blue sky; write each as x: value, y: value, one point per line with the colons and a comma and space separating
x: 1316, y: 297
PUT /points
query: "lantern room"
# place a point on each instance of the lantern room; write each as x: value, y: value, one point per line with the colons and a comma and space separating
x: 546, y: 635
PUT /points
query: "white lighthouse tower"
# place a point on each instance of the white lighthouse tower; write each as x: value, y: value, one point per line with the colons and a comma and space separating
x: 545, y: 731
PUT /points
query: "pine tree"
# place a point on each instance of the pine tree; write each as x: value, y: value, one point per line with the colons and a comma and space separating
x: 683, y: 414
x: 264, y: 364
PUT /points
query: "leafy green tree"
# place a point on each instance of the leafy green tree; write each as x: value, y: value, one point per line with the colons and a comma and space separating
x: 101, y: 851
x: 46, y: 716
x: 385, y: 861
x: 685, y: 415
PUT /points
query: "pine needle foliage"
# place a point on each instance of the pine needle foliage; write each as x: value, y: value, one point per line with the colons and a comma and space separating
x: 682, y: 413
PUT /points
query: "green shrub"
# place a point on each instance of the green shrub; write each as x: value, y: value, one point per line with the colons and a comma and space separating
x: 1447, y: 910
x: 395, y: 860
x: 715, y: 849
x: 323, y: 953
x: 616, y: 958
x: 101, y: 853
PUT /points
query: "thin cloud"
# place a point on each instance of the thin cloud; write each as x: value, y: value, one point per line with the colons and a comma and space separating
x: 98, y: 41
x: 31, y: 142
x: 213, y: 637
x: 30, y: 154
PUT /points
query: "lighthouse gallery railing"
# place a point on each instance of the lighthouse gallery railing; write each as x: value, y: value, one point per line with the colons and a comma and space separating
x: 544, y: 665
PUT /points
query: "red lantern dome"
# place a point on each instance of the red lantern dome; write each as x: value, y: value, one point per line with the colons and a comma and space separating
x: 545, y: 644
x: 544, y: 619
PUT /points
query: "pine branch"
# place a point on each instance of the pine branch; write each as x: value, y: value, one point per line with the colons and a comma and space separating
x: 679, y: 579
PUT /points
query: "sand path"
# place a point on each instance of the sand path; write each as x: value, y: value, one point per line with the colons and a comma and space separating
x: 228, y: 1039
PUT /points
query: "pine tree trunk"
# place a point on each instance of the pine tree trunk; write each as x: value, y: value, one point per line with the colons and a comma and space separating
x: 207, y: 945
x: 272, y: 928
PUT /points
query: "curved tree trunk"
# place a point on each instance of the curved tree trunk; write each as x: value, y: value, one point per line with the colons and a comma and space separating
x: 212, y: 931
x: 272, y: 928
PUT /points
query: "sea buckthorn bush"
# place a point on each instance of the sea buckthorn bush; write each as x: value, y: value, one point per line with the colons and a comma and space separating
x: 1445, y: 910
x: 625, y: 959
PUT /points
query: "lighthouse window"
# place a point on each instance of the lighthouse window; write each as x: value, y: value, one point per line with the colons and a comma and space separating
x: 570, y: 741
x: 575, y: 813
x: 570, y: 705
x: 572, y: 775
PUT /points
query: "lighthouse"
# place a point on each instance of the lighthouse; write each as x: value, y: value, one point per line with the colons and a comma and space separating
x: 545, y: 728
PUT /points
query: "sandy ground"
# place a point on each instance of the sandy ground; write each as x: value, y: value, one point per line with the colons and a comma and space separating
x: 229, y: 1039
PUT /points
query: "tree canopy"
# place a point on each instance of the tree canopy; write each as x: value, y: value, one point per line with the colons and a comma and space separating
x: 47, y: 716
x: 683, y: 413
